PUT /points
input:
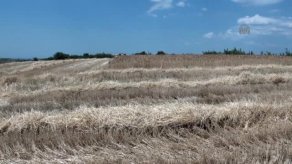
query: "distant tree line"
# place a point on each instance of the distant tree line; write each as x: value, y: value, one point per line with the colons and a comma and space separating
x: 7, y: 60
x: 63, y: 56
x: 236, y: 51
x: 286, y: 53
x: 149, y: 53
x: 233, y: 51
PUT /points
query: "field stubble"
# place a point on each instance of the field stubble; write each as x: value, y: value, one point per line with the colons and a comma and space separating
x: 140, y: 109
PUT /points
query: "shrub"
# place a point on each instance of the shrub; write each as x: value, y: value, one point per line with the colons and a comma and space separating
x: 288, y: 53
x: 234, y: 51
x: 141, y: 53
x: 101, y: 55
x: 86, y: 55
x: 160, y: 53
x: 211, y: 52
x: 61, y: 56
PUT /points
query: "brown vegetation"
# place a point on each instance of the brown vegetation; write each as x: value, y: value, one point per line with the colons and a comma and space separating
x: 190, y: 109
x: 10, y: 80
x: 187, y: 61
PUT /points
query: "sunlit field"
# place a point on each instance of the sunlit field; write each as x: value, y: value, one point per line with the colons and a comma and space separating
x: 147, y: 109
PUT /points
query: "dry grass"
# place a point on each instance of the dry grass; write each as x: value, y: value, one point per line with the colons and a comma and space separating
x: 10, y: 80
x: 170, y: 109
x: 188, y: 61
x: 229, y: 130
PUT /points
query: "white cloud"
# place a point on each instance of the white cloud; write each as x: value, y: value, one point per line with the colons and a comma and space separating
x: 257, y: 2
x: 204, y: 9
x: 256, y: 20
x: 181, y: 3
x: 266, y: 21
x: 272, y: 30
x: 231, y: 33
x: 209, y: 35
x: 160, y: 5
x: 260, y: 25
x: 165, y: 4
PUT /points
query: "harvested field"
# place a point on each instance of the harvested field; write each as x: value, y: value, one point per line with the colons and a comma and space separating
x: 187, y: 61
x: 147, y: 109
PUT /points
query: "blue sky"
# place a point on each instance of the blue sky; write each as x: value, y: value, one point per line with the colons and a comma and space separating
x: 39, y: 28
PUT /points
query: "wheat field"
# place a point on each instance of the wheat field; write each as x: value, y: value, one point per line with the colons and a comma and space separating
x: 147, y: 109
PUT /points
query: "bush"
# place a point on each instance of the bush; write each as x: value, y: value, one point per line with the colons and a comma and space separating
x: 234, y: 51
x: 61, y: 56
x: 288, y: 53
x: 211, y: 52
x: 142, y: 53
x: 101, y: 55
x: 86, y: 55
x: 160, y: 53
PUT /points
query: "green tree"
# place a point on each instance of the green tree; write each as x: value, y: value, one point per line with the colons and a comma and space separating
x: 86, y: 55
x: 61, y: 56
x: 160, y: 53
x: 141, y: 53
x: 288, y: 53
